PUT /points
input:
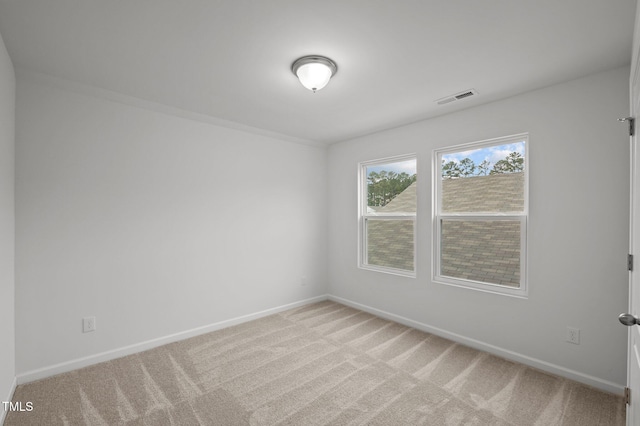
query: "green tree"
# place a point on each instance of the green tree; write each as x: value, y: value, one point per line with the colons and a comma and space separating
x: 467, y: 167
x: 451, y: 170
x: 383, y: 186
x: 512, y: 163
x: 483, y: 168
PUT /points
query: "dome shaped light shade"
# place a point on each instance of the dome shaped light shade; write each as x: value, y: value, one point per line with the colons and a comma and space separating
x: 314, y: 72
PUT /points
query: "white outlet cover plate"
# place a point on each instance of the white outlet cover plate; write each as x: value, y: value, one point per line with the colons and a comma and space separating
x: 573, y: 335
x: 88, y: 324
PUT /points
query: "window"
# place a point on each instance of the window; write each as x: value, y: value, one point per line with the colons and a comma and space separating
x: 388, y: 215
x: 480, y: 215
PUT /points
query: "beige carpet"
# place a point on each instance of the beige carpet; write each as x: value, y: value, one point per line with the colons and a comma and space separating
x: 319, y: 364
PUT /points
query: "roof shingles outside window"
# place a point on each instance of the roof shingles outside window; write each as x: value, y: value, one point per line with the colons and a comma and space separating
x: 390, y: 243
x: 492, y: 193
x: 485, y: 251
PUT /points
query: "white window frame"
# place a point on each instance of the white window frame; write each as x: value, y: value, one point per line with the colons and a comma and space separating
x: 438, y: 217
x: 364, y: 215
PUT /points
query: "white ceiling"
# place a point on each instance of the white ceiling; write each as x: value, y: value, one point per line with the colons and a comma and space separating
x: 230, y: 59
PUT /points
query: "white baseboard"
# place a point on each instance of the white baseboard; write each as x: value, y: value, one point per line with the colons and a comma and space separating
x: 3, y: 413
x: 595, y: 382
x: 65, y: 367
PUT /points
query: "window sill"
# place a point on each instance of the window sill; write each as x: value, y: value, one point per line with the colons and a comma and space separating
x: 391, y: 271
x: 520, y: 293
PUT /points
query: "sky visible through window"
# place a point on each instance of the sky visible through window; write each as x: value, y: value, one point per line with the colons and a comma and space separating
x: 408, y: 167
x: 492, y: 154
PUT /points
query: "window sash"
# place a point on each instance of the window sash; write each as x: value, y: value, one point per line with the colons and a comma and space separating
x: 364, y: 215
x: 521, y: 290
x: 437, y: 172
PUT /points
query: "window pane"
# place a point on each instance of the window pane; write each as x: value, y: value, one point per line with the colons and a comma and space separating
x: 482, y: 250
x: 489, y: 179
x: 391, y: 187
x: 390, y: 243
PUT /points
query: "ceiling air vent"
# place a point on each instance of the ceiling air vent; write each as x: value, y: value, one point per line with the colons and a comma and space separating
x: 457, y: 96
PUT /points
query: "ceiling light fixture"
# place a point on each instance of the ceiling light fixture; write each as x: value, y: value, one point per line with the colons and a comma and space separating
x: 314, y: 72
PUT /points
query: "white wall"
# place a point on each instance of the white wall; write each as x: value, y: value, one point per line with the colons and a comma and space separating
x: 578, y: 229
x: 7, y: 224
x: 154, y: 224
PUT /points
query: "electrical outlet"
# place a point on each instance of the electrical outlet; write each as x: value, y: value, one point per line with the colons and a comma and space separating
x: 88, y: 324
x: 573, y: 335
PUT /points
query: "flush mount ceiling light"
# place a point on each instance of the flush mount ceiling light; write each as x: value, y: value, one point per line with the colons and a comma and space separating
x: 314, y: 72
